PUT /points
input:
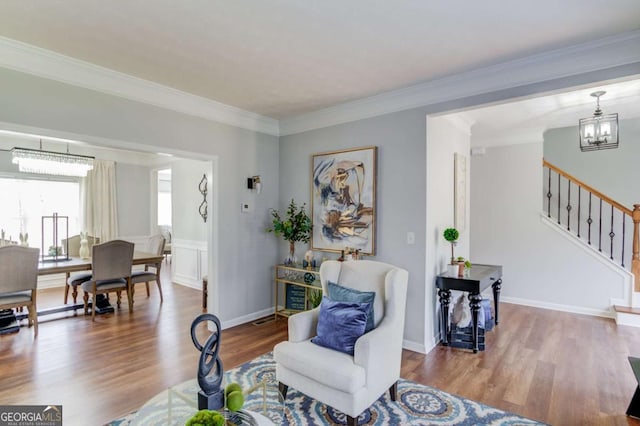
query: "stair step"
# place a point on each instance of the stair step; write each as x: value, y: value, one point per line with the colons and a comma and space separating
x: 626, y: 310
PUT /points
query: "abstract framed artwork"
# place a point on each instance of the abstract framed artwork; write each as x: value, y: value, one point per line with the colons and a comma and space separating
x: 460, y: 191
x: 343, y: 207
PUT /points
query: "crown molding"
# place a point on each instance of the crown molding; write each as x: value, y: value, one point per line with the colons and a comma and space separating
x: 33, y: 60
x: 460, y: 122
x: 618, y: 50
x: 609, y: 52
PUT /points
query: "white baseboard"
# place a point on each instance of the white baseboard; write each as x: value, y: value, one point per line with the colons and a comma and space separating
x: 558, y: 307
x: 632, y: 320
x: 186, y: 281
x: 414, y: 346
x: 246, y: 318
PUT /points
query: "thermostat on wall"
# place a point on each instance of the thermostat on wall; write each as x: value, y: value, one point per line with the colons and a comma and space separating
x: 245, y: 208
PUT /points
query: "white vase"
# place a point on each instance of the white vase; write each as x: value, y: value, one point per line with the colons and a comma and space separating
x: 84, y: 249
x: 452, y: 270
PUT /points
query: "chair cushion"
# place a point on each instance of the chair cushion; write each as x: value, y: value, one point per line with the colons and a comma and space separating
x: 79, y: 278
x: 340, y: 324
x: 328, y: 367
x: 15, y: 297
x: 105, y: 284
x: 142, y: 276
x: 346, y: 294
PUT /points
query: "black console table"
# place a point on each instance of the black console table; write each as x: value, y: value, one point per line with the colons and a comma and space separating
x: 474, y: 281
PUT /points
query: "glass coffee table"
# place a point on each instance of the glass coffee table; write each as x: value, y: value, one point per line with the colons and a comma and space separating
x: 177, y: 404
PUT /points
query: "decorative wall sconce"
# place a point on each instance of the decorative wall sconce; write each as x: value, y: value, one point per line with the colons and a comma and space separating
x: 254, y: 183
x: 202, y: 187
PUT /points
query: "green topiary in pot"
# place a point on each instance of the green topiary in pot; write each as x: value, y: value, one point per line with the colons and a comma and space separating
x: 295, y: 226
x: 451, y: 235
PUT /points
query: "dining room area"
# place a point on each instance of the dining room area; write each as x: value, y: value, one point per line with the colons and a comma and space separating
x: 87, y: 231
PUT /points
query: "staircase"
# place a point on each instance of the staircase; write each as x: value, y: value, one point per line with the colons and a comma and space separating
x: 602, y: 224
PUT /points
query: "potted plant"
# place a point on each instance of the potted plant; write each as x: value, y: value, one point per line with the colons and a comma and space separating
x: 462, y: 265
x: 295, y: 226
x: 451, y: 235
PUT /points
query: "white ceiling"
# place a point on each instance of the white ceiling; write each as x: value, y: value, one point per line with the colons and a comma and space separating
x: 282, y: 58
x: 525, y: 121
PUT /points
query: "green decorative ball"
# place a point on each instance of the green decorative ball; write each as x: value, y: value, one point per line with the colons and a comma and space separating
x: 451, y: 234
x: 235, y: 401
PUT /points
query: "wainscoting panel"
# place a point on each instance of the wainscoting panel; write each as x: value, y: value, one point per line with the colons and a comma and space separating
x: 188, y: 262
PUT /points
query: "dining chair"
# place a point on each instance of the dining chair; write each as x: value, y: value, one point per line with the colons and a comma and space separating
x: 19, y: 280
x: 111, y: 263
x: 74, y: 280
x: 155, y: 245
x: 165, y: 230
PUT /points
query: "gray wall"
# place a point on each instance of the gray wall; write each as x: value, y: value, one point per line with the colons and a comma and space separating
x: 542, y: 264
x: 186, y: 198
x: 614, y: 172
x: 132, y: 191
x: 246, y: 255
x: 401, y: 190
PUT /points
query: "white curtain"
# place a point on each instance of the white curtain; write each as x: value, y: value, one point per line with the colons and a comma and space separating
x: 99, y: 207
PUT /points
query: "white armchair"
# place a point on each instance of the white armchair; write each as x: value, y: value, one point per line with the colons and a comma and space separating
x: 349, y: 383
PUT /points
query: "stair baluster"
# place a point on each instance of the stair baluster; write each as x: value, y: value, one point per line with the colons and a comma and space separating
x: 615, y: 227
x: 568, y: 205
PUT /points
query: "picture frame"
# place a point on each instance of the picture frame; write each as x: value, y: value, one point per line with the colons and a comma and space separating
x: 343, y: 207
x: 460, y: 191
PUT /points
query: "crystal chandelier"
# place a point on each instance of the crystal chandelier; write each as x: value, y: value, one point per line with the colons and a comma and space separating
x: 599, y: 131
x: 51, y: 163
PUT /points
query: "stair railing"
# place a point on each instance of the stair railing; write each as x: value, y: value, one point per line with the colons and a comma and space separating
x: 589, y: 213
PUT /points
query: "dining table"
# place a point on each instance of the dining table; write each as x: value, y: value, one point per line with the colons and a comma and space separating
x: 76, y: 264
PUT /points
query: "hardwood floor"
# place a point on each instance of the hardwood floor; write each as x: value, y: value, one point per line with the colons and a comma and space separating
x: 560, y: 368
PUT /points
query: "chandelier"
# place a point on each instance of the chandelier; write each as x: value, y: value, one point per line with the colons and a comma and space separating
x: 599, y: 131
x: 51, y: 163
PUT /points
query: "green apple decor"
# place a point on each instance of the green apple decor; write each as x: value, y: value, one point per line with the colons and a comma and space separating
x: 234, y: 399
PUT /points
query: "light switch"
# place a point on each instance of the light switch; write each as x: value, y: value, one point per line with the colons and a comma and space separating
x: 411, y: 238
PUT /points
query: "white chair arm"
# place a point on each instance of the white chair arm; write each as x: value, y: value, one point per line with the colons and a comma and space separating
x: 372, y: 347
x: 303, y: 325
x: 379, y: 352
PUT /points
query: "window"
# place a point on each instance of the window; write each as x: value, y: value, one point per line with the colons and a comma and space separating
x: 25, y: 201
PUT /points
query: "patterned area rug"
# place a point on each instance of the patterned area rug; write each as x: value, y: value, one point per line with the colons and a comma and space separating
x: 416, y: 405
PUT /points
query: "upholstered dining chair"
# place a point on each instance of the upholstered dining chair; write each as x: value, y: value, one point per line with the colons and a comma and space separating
x: 165, y: 230
x: 348, y: 382
x: 155, y: 245
x: 19, y: 280
x: 111, y: 263
x: 72, y: 281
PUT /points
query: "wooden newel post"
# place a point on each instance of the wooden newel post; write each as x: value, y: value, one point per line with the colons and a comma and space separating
x: 635, y: 260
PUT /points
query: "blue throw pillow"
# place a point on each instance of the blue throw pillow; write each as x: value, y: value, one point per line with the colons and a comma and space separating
x: 340, y: 324
x: 345, y: 294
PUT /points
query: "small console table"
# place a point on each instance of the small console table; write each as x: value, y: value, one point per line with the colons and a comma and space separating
x: 475, y: 281
x: 295, y: 276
